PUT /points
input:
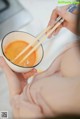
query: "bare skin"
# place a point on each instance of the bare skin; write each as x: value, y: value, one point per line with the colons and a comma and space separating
x: 70, y: 19
x: 57, y: 82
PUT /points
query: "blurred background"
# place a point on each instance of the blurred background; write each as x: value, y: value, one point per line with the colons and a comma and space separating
x: 12, y: 16
x: 15, y: 14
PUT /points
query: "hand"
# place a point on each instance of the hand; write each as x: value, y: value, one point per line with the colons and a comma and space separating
x: 70, y: 19
x: 16, y: 81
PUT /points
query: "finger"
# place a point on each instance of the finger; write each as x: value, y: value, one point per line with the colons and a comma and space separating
x: 53, y: 17
x: 52, y: 20
x: 52, y: 35
x: 13, y: 82
x: 65, y: 24
x: 55, y: 14
x: 56, y: 31
x: 69, y: 17
x: 30, y: 73
x: 65, y: 7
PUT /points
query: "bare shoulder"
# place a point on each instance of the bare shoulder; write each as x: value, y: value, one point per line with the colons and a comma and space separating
x: 70, y: 65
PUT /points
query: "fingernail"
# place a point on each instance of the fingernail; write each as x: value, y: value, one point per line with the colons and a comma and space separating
x: 34, y: 70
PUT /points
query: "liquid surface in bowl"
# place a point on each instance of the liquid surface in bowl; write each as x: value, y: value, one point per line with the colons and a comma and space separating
x: 14, y: 48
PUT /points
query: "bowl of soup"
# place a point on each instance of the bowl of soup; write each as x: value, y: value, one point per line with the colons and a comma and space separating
x: 13, y: 44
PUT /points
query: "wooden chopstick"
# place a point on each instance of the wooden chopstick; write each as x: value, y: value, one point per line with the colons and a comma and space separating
x: 36, y: 39
x: 41, y: 41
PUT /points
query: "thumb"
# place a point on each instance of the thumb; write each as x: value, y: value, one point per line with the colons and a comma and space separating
x: 29, y: 74
x: 69, y: 17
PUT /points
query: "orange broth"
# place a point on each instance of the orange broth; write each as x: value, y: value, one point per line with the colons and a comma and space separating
x: 14, y: 48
